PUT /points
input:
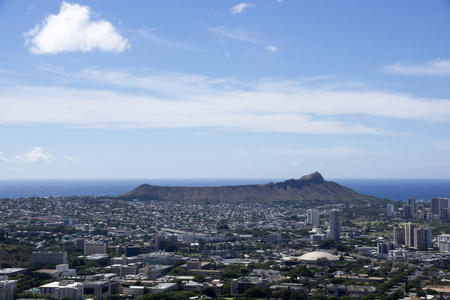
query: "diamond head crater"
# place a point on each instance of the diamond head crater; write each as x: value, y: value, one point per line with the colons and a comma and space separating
x: 308, y: 187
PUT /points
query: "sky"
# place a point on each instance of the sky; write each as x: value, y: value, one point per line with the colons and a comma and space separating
x: 224, y: 89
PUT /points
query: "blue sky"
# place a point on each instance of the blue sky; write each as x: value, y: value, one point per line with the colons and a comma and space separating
x: 224, y: 89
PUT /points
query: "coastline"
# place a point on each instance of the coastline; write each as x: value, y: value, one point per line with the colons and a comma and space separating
x: 393, y: 189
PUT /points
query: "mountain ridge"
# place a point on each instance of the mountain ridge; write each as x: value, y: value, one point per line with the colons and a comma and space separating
x: 309, y: 187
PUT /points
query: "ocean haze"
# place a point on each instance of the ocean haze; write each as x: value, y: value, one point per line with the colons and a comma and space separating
x: 394, y: 189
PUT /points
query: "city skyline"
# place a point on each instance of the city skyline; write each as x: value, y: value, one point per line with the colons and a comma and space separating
x: 267, y: 89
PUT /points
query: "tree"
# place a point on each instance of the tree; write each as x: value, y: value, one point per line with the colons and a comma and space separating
x: 322, y: 261
x: 255, y: 292
x: 199, y: 278
x: 209, y: 291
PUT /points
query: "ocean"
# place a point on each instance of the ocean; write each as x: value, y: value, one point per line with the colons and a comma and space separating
x: 394, y: 189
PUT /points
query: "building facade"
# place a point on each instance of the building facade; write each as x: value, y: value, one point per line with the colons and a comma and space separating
x: 409, y: 234
x: 335, y: 225
x: 49, y: 258
x: 313, y: 217
x: 95, y: 247
x: 74, y: 290
x: 7, y: 288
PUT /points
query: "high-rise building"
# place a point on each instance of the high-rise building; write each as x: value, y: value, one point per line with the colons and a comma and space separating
x: 399, y: 235
x: 383, y: 248
x: 390, y: 210
x: 172, y: 239
x: 409, y: 234
x: 411, y: 202
x: 274, y: 238
x: 313, y: 217
x: 335, y: 227
x: 407, y: 211
x: 422, y: 237
x: 443, y: 204
x: 444, y: 242
x: 434, y: 205
x: 160, y: 242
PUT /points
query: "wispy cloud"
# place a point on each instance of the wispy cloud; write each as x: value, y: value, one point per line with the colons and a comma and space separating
x: 442, y: 145
x: 177, y: 100
x: 325, y: 152
x: 240, y: 8
x: 36, y: 155
x: 150, y: 34
x: 70, y: 158
x: 2, y: 158
x: 237, y: 34
x: 72, y: 30
x: 438, y: 67
x: 271, y: 49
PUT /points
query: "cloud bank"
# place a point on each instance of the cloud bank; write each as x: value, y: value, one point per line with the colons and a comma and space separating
x: 73, y: 30
x: 192, y: 101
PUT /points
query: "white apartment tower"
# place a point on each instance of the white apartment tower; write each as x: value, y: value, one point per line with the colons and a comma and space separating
x: 409, y: 234
x: 312, y: 217
x: 390, y: 210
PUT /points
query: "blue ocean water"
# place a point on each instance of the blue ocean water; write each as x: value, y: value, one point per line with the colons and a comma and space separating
x: 394, y: 189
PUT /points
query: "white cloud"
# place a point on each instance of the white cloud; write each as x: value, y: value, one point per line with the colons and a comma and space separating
x: 325, y: 152
x: 240, y: 8
x: 2, y: 158
x: 70, y: 158
x: 294, y: 164
x: 176, y: 100
x: 150, y: 34
x: 271, y: 49
x: 72, y: 30
x: 36, y: 155
x: 442, y: 145
x: 438, y: 67
x: 236, y: 34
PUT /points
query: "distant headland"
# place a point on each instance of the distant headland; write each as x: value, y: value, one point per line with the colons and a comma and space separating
x: 308, y: 187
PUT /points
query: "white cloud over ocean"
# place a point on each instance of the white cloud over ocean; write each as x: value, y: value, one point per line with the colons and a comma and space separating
x: 36, y: 155
x: 176, y: 100
x: 74, y: 30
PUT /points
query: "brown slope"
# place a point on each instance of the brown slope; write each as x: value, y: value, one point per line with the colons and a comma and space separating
x: 309, y: 187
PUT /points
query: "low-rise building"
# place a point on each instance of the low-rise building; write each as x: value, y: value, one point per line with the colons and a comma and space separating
x: 7, y: 288
x: 163, y: 287
x: 61, y: 271
x: 99, y: 288
x: 49, y: 258
x: 242, y: 284
x: 133, y: 290
x: 74, y: 290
